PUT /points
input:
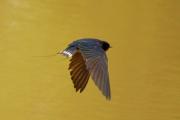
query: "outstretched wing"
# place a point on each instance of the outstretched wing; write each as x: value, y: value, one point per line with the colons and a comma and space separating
x: 97, y: 64
x: 79, y: 73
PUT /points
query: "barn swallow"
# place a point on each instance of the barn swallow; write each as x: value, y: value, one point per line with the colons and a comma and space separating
x: 88, y: 58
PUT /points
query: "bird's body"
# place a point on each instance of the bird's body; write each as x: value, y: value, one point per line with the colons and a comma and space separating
x: 88, y: 58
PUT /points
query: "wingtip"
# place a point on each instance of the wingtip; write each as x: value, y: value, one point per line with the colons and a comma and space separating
x: 108, y: 98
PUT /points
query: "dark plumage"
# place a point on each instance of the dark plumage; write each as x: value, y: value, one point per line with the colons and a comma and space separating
x: 88, y: 58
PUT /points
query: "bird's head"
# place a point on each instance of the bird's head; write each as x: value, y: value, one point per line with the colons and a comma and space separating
x: 105, y: 45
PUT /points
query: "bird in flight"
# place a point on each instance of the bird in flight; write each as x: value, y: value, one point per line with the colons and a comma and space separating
x: 88, y: 58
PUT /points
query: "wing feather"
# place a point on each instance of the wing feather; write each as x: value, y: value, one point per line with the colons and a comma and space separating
x: 96, y: 63
x: 79, y: 73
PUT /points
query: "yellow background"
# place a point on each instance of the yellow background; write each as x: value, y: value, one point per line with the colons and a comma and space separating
x: 144, y: 63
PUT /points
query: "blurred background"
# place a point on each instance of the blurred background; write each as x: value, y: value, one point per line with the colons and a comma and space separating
x: 144, y: 63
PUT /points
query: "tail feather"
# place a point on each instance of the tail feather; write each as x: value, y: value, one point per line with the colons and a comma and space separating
x: 68, y: 52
